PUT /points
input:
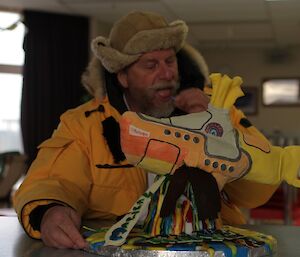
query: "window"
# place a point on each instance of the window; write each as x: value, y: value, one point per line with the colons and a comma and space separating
x: 281, y: 92
x: 11, y: 62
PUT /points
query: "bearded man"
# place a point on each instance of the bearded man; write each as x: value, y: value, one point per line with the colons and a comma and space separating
x: 81, y: 172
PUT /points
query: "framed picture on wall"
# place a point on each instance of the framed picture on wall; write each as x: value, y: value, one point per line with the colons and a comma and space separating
x: 248, y: 102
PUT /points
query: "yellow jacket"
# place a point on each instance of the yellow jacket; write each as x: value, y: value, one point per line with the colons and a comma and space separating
x: 65, y: 171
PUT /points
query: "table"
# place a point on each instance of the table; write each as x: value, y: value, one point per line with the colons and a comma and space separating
x: 15, y: 243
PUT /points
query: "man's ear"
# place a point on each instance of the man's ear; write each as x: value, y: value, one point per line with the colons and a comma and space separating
x: 122, y: 78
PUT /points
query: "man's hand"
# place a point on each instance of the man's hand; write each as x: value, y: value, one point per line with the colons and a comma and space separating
x: 60, y: 228
x: 192, y: 100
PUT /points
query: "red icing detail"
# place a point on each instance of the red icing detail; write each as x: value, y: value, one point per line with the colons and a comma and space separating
x: 189, y: 215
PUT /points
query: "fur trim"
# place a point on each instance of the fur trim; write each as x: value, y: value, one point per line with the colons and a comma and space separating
x: 199, y: 60
x: 93, y: 79
x: 111, y: 58
x: 164, y: 38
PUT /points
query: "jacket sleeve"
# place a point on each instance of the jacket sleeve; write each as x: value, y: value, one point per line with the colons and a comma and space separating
x: 60, y: 172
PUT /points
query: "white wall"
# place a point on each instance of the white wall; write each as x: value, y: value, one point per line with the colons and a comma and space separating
x: 253, y: 66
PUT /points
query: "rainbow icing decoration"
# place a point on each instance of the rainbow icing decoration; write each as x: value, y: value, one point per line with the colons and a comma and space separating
x: 230, y: 241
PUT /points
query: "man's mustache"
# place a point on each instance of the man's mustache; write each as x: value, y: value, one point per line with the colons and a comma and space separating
x: 173, y: 85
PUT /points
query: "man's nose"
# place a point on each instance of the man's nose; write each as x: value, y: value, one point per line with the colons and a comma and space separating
x: 166, y: 72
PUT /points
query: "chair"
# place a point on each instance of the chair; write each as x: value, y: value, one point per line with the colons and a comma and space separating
x: 282, y: 208
x: 12, y: 167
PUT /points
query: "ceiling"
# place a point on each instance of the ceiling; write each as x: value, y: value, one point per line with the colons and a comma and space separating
x: 212, y: 23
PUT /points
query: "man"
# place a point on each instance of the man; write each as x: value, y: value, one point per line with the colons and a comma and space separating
x: 81, y: 170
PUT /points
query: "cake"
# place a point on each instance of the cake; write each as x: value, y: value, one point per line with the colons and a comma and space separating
x: 194, y: 155
x: 181, y: 234
x: 228, y: 242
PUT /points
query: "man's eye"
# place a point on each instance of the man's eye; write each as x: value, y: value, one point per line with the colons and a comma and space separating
x: 171, y: 60
x: 150, y: 66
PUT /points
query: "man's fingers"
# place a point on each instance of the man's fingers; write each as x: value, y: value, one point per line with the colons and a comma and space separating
x: 196, y: 108
x: 58, y: 239
x: 60, y: 228
x: 192, y: 100
x: 75, y: 218
x: 65, y: 235
x: 71, y: 231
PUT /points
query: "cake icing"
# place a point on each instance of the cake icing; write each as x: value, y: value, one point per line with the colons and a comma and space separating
x: 228, y: 242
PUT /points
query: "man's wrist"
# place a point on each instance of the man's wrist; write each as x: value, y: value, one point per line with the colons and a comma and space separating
x: 36, y: 216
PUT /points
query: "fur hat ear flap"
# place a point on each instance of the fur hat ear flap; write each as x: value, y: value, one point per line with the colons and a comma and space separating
x: 93, y: 78
x: 112, y: 59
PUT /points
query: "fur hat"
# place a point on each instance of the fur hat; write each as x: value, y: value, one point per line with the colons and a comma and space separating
x: 137, y: 33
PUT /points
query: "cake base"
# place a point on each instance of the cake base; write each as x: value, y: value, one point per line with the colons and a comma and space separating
x: 227, y: 242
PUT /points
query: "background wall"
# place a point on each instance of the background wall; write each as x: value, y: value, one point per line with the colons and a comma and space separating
x: 253, y: 65
x: 98, y: 29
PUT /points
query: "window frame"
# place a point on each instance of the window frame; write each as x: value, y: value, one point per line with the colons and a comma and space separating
x: 12, y: 69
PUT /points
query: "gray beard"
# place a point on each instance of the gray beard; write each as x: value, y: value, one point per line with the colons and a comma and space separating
x: 163, y: 111
x: 159, y: 112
